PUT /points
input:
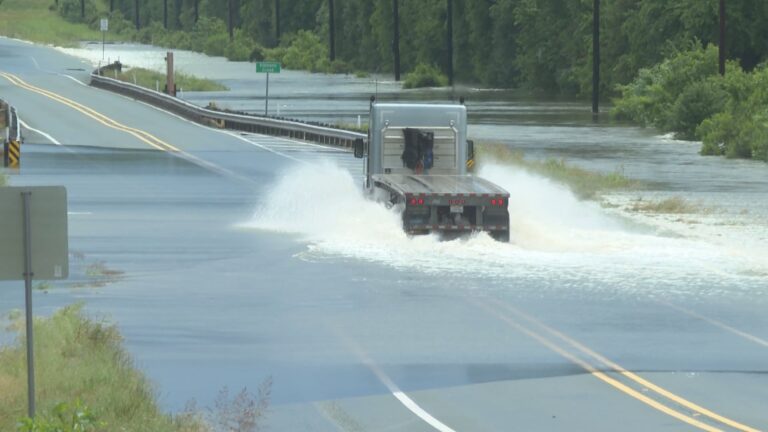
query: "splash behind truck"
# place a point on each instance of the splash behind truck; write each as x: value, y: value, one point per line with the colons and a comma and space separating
x: 416, y: 160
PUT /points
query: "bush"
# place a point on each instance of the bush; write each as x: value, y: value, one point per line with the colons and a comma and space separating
x: 699, y: 101
x: 301, y: 50
x: 70, y: 10
x: 686, y: 95
x: 425, y: 75
x: 121, y: 26
x: 649, y: 99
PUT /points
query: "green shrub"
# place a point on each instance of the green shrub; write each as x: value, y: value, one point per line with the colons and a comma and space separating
x: 70, y: 10
x: 152, y: 34
x: 301, y: 50
x: 424, y: 75
x: 698, y: 101
x: 121, y: 26
x: 649, y: 99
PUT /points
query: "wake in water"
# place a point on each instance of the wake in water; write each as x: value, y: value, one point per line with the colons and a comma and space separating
x: 552, y: 233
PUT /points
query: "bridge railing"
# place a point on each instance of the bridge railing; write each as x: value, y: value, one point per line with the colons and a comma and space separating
x: 225, y: 120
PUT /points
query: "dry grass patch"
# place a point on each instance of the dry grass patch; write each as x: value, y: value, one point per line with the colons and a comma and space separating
x: 673, y: 205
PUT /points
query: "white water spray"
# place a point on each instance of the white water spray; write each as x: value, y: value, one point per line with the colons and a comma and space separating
x: 553, y: 233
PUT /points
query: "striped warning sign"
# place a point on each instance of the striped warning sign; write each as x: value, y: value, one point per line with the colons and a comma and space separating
x: 14, y: 153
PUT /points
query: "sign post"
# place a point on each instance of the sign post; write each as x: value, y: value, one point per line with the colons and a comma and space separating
x: 267, y: 68
x: 104, y: 24
x: 33, y: 243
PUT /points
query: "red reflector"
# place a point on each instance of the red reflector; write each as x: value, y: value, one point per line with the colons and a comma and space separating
x: 421, y: 201
x: 493, y: 202
x: 501, y: 202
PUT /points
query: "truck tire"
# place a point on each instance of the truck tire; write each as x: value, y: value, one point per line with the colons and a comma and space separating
x: 500, y: 236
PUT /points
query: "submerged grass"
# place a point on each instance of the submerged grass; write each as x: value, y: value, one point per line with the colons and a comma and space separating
x: 33, y: 20
x: 152, y: 80
x: 673, y: 205
x: 78, y: 358
x: 585, y: 184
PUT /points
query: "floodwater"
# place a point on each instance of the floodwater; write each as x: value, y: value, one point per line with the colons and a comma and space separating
x: 268, y: 288
x: 733, y: 192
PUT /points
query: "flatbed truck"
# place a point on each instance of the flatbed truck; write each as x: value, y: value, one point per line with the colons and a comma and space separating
x: 416, y: 160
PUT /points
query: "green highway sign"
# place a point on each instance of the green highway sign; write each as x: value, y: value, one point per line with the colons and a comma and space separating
x: 267, y: 67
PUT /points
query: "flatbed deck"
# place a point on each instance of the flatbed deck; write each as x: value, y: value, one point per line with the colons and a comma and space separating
x: 455, y: 185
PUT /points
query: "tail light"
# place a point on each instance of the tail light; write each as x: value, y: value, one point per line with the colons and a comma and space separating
x: 497, y: 202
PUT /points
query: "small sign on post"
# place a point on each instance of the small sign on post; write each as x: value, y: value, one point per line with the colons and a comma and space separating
x: 33, y: 243
x: 267, y: 68
x: 104, y: 25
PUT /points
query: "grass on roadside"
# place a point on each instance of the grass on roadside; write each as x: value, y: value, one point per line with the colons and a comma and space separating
x: 585, y: 184
x: 33, y: 20
x: 154, y: 80
x: 79, y: 358
x: 673, y: 205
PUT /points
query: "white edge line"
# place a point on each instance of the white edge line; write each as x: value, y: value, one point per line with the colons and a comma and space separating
x: 74, y: 79
x: 406, y: 401
x: 225, y: 132
x: 39, y: 132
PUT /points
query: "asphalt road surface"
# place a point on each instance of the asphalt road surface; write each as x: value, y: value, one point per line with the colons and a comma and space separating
x: 236, y: 258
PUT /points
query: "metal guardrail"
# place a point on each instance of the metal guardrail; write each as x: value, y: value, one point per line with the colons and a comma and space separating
x: 224, y: 120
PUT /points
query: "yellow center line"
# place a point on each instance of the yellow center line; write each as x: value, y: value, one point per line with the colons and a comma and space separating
x: 142, y: 135
x: 106, y: 121
x: 630, y: 375
x: 600, y: 375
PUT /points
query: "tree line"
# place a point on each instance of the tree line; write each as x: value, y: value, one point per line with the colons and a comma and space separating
x: 538, y: 44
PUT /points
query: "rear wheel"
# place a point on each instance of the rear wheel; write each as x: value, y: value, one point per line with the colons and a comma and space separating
x: 500, y: 236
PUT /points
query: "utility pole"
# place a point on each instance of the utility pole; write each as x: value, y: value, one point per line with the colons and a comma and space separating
x: 331, y: 31
x: 722, y: 38
x: 396, y: 41
x: 230, y: 19
x: 197, y: 10
x: 277, y: 21
x: 136, y: 11
x: 82, y: 8
x: 449, y: 41
x: 165, y: 14
x: 595, y: 57
x: 111, y: 6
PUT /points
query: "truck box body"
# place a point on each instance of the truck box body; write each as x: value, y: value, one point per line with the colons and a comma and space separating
x: 417, y: 161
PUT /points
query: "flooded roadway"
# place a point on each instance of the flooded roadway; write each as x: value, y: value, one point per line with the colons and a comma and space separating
x: 302, y: 280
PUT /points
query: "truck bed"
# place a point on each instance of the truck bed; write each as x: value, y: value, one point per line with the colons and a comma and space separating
x: 458, y: 185
x: 446, y: 204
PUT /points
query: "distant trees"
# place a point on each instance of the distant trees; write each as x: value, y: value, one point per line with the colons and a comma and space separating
x: 538, y: 44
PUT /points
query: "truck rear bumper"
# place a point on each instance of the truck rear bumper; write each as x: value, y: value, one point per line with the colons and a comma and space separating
x: 413, y: 229
x: 497, y: 232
